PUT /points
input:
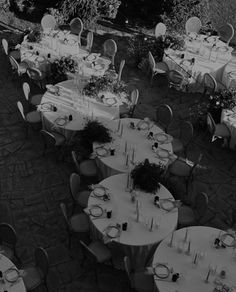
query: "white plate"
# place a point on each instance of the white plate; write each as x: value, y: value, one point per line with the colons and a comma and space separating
x: 61, y: 121
x: 161, y: 271
x: 167, y: 205
x: 228, y: 239
x: 51, y: 88
x: 96, y: 211
x: 143, y: 125
x: 162, y: 153
x: 46, y: 106
x: 112, y: 231
x: 39, y: 59
x: 110, y: 101
x: 99, y: 192
x: 11, y: 275
x: 92, y: 57
x: 101, y: 151
x: 161, y: 137
x: 98, y: 67
x: 71, y: 42
x: 28, y: 54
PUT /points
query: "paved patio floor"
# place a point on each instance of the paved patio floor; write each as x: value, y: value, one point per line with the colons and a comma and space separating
x: 32, y: 186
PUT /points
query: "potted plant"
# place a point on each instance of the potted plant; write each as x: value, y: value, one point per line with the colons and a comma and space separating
x: 147, y: 176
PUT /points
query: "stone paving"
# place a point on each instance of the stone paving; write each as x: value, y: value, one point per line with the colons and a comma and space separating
x: 32, y: 186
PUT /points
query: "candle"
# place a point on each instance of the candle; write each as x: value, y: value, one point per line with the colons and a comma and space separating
x: 125, y: 147
x: 171, y: 240
x: 151, y: 224
x: 186, y: 235
x: 127, y: 160
x: 195, y: 258
x: 128, y: 181
x: 133, y: 155
x: 189, y: 248
x: 118, y: 126
x: 208, y: 275
x: 121, y: 132
x: 137, y: 211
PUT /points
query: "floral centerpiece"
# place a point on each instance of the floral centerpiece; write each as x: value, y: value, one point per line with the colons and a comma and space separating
x: 102, y: 84
x: 146, y: 176
x: 60, y: 68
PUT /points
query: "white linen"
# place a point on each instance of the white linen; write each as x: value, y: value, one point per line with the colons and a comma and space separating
x: 134, y: 139
x: 70, y: 101
x: 228, y: 117
x: 138, y: 242
x: 18, y: 286
x: 192, y: 277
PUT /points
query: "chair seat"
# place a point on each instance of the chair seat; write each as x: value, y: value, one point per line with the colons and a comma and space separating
x: 60, y: 139
x: 33, y: 117
x: 222, y: 130
x: 142, y: 282
x: 7, y: 251
x: 15, y: 54
x: 186, y: 216
x: 32, y: 278
x: 23, y: 67
x: 82, y: 198
x: 36, y: 99
x: 160, y: 68
x: 177, y: 145
x: 88, y: 168
x: 79, y: 223
x: 102, y: 253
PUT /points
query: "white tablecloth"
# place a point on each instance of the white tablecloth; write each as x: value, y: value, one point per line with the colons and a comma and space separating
x: 18, y: 286
x: 229, y: 75
x: 228, y: 117
x: 134, y: 138
x: 138, y: 242
x: 192, y: 277
x: 80, y: 107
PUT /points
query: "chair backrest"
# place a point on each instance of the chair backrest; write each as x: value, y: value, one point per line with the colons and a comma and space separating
x: 7, y: 234
x: 226, y: 33
x: 49, y: 138
x: 76, y: 163
x: 64, y: 213
x: 193, y: 24
x: 160, y: 29
x: 211, y: 124
x: 180, y: 167
x: 21, y: 109
x: 201, y: 204
x: 26, y: 90
x: 48, y: 22
x: 210, y: 84
x: 89, y: 41
x: 74, y: 185
x: 134, y: 101
x: 34, y: 73
x: 186, y: 132
x: 5, y: 46
x: 164, y: 115
x: 41, y: 260
x: 151, y: 59
x: 127, y: 267
x: 122, y: 64
x: 76, y: 27
x: 110, y: 49
x: 14, y: 64
x: 88, y: 252
x: 175, y: 77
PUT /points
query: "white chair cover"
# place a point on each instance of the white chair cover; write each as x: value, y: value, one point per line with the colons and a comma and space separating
x: 48, y: 22
x: 160, y: 29
x: 193, y: 24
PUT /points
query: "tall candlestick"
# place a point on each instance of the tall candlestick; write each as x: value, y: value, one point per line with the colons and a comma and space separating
x: 133, y: 156
x: 188, y: 252
x: 186, y: 235
x: 118, y: 126
x: 171, y: 240
x: 208, y: 275
x: 195, y: 258
x: 127, y: 160
x: 151, y: 226
x: 128, y: 181
x: 125, y: 147
x: 137, y: 211
x: 121, y: 132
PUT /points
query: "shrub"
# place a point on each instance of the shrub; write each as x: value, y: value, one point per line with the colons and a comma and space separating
x: 88, y: 10
x: 5, y: 5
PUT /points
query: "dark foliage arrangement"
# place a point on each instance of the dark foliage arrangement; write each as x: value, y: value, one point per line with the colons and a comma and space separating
x: 223, y: 99
x: 34, y: 36
x: 94, y: 131
x: 147, y: 176
x: 60, y: 67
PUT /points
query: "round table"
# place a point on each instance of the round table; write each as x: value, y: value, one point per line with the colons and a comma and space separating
x: 71, y: 102
x: 138, y: 242
x: 193, y: 276
x: 18, y: 286
x: 133, y: 138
